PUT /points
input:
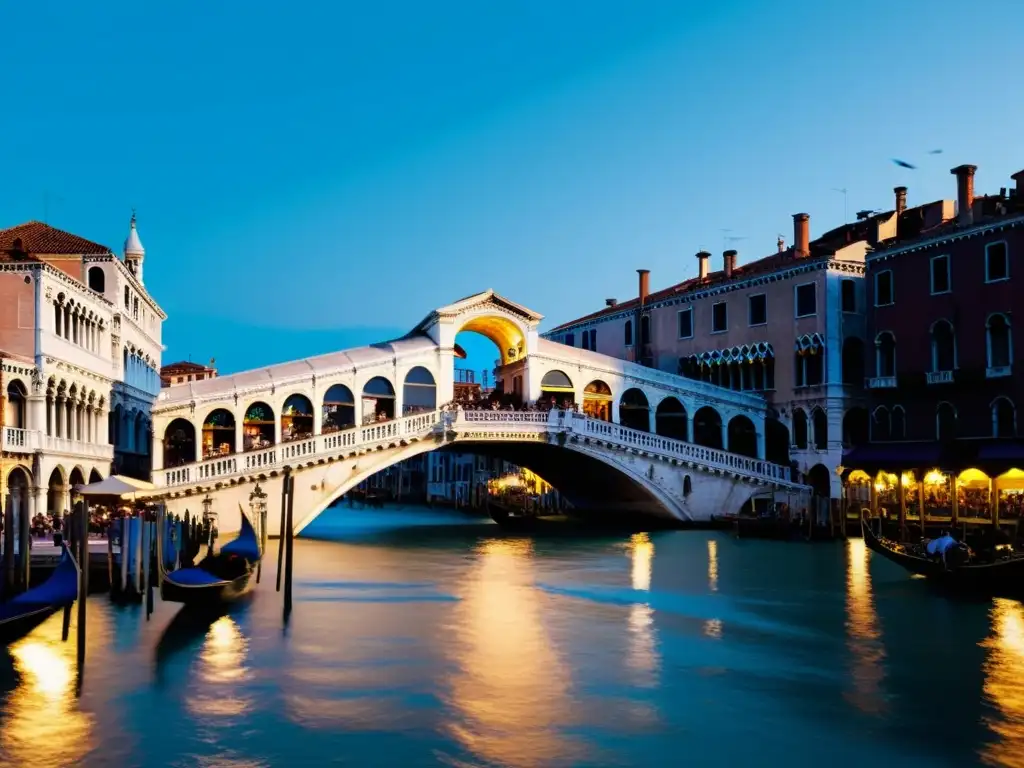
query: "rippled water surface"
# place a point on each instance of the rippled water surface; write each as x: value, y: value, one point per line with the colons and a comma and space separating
x: 458, y: 645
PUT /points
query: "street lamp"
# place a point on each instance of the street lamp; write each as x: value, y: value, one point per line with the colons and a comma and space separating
x: 258, y: 508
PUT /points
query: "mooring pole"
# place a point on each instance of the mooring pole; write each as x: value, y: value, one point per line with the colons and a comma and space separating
x: 284, y: 511
x: 147, y: 553
x: 83, y: 577
x: 161, y: 532
x: 25, y: 545
x: 289, y: 542
x: 9, y: 571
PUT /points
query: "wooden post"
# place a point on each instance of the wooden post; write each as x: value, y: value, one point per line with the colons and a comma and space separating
x: 9, y: 569
x: 137, y: 544
x: 147, y: 552
x: 125, y: 549
x: 289, y: 541
x: 263, y: 540
x: 83, y: 577
x: 284, y: 511
x: 161, y: 532
x: 25, y: 545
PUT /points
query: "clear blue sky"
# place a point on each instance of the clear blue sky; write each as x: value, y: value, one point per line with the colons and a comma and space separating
x: 313, y: 175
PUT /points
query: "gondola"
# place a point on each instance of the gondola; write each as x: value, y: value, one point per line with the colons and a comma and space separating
x: 964, y: 571
x: 219, y: 578
x: 23, y: 613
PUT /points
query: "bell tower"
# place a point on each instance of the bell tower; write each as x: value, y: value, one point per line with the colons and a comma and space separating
x: 134, y: 253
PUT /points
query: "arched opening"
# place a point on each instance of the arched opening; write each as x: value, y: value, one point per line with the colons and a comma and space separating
x: 687, y: 486
x: 855, y: 427
x: 800, y: 430
x: 998, y: 342
x: 820, y: 480
x: 179, y: 443
x: 635, y: 410
x: 139, y: 433
x: 1004, y: 418
x: 296, y: 418
x: 478, y: 380
x: 419, y: 392
x: 258, y: 427
x: 219, y: 433
x: 16, y: 414
x: 339, y: 409
x: 776, y: 441
x: 885, y: 354
x: 18, y: 485
x: 627, y: 330
x: 853, y: 362
x: 880, y: 424
x: 898, y: 423
x: 742, y: 436
x: 943, y: 346
x: 378, y: 400
x: 95, y: 477
x: 557, y: 389
x: 945, y: 422
x: 820, y: 422
x: 707, y: 428
x: 76, y: 478
x: 670, y: 419
x: 97, y: 280
x: 597, y: 400
x: 55, y: 493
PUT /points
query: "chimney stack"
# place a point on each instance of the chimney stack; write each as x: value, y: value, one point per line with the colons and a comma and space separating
x: 801, y: 235
x: 645, y: 284
x: 901, y: 199
x: 964, y: 194
x: 729, y: 263
x: 1018, y: 180
x: 610, y: 302
x: 702, y: 264
x: 781, y: 243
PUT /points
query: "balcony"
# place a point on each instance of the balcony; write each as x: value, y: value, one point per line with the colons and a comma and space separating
x: 14, y: 440
x: 882, y: 382
x: 78, y: 448
x: 939, y: 377
x: 998, y: 371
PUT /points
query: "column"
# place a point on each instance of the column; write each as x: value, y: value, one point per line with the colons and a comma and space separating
x: 902, y: 492
x: 68, y: 409
x: 954, y: 493
x: 725, y: 433
x: 39, y: 501
x: 158, y: 449
x: 36, y: 412
x: 64, y: 499
x: 760, y: 445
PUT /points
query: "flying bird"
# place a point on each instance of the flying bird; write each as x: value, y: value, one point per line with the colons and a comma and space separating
x: 904, y: 164
x: 935, y: 152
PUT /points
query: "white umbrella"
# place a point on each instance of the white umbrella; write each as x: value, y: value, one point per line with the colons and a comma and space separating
x: 117, y: 486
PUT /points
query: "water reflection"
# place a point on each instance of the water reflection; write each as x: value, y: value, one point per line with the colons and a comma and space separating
x: 1004, y: 683
x: 643, y: 654
x: 221, y: 669
x: 43, y: 725
x: 511, y: 690
x: 863, y: 633
x: 712, y: 565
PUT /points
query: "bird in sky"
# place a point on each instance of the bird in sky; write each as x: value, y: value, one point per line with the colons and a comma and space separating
x: 904, y: 164
x: 935, y: 152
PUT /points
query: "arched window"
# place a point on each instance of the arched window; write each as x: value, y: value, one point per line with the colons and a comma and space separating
x: 998, y: 341
x: 645, y: 329
x: 880, y: 425
x: 885, y: 354
x: 943, y: 346
x: 799, y: 428
x: 629, y: 332
x: 1004, y: 418
x: 898, y: 423
x: 945, y: 422
x: 820, y: 422
x: 97, y: 280
x: 127, y: 298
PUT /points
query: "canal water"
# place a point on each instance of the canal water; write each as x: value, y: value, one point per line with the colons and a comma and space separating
x: 421, y: 638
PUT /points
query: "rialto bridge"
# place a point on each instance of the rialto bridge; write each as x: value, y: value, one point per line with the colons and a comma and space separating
x: 642, y: 438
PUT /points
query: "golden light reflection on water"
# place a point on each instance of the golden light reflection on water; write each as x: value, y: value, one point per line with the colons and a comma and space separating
x: 221, y: 668
x: 511, y: 691
x: 712, y: 565
x: 1004, y: 683
x: 643, y: 658
x: 44, y: 726
x: 863, y: 633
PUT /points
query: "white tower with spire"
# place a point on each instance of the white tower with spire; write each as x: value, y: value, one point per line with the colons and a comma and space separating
x: 134, y: 253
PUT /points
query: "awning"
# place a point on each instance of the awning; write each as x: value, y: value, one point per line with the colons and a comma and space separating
x: 993, y: 457
x: 118, y: 487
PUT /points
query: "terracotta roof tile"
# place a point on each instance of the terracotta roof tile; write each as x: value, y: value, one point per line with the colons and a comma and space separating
x: 39, y: 239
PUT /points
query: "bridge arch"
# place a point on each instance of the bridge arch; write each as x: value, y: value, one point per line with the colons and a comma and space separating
x: 635, y: 409
x: 179, y: 443
x: 219, y: 433
x: 742, y: 436
x: 339, y: 409
x: 707, y: 428
x: 670, y: 419
x: 419, y: 391
x: 259, y: 428
x: 508, y: 335
x: 378, y: 400
x: 296, y: 418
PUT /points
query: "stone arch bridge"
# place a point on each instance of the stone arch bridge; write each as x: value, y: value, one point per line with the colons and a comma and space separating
x: 658, y: 441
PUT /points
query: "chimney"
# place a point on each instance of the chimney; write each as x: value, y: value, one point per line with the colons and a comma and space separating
x: 964, y: 194
x: 901, y: 199
x: 610, y: 302
x: 703, y: 257
x: 645, y: 284
x: 801, y: 234
x: 729, y: 263
x: 1018, y: 179
x: 781, y: 243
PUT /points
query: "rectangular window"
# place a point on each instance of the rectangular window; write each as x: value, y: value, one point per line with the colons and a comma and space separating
x: 719, y: 317
x: 570, y: 339
x: 884, y: 293
x: 585, y: 340
x: 940, y: 274
x: 686, y: 323
x: 997, y: 265
x: 593, y: 339
x: 848, y: 290
x: 806, y: 300
x: 757, y: 309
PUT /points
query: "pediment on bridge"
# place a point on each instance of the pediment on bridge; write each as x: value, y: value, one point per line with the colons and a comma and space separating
x: 478, y: 304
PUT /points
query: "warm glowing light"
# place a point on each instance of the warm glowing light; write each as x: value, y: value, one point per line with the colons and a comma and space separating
x: 643, y: 655
x: 864, y: 634
x: 505, y: 334
x: 973, y: 475
x: 934, y: 477
x: 222, y: 667
x: 1004, y: 682
x: 1016, y: 475
x: 641, y: 551
x: 879, y: 487
x: 859, y: 476
x: 712, y: 565
x: 907, y: 478
x: 713, y: 629
x: 43, y: 725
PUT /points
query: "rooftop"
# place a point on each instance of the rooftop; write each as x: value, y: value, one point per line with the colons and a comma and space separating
x: 34, y: 238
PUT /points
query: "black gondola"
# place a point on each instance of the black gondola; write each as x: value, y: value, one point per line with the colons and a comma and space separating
x: 961, y: 570
x: 23, y: 613
x: 217, y: 579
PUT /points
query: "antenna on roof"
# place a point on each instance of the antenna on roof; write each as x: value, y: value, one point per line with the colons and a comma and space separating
x: 846, y: 202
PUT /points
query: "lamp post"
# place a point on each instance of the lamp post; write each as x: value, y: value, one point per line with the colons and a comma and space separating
x: 209, y: 520
x: 258, y: 514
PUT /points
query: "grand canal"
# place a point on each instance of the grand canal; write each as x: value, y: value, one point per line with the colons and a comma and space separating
x: 452, y: 644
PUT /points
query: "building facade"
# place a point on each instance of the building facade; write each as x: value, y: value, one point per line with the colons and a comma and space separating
x: 945, y: 374
x: 80, y: 340
x: 790, y: 326
x: 185, y: 372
